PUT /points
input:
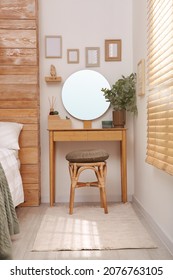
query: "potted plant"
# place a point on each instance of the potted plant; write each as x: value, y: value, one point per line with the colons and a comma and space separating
x: 122, y: 97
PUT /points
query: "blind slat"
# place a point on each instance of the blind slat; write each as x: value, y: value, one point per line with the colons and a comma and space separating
x: 158, y: 122
x: 159, y: 164
x: 160, y: 154
x: 160, y: 143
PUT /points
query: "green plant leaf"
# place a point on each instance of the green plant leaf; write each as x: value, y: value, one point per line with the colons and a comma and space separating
x: 122, y: 95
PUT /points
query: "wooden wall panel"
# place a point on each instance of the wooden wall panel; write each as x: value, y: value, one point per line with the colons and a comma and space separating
x: 18, y: 57
x: 19, y: 24
x: 29, y: 173
x: 11, y: 92
x: 18, y: 79
x: 23, y: 120
x: 29, y: 138
x: 19, y: 86
x: 17, y: 104
x: 18, y: 9
x: 32, y: 197
x: 18, y: 39
x: 20, y: 113
x: 22, y: 70
x: 29, y: 155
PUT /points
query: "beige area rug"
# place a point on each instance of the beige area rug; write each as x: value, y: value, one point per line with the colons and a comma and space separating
x: 90, y: 229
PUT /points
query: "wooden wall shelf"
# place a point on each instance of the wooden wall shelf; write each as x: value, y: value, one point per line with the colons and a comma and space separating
x: 53, y: 79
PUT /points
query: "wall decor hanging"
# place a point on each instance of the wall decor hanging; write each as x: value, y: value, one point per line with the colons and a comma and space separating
x: 53, y: 46
x: 113, y: 50
x: 141, y: 77
x: 92, y: 57
x: 72, y: 55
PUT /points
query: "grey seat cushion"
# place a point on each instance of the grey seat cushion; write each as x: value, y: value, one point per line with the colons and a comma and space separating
x: 93, y: 155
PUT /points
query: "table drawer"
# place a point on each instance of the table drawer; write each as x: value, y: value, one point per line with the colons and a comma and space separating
x: 70, y: 136
x: 104, y: 135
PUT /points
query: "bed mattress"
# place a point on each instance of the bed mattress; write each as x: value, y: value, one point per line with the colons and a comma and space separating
x: 10, y: 165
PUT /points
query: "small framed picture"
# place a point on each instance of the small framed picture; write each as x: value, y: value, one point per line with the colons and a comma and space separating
x: 73, y: 56
x: 112, y: 50
x: 92, y: 57
x: 141, y: 77
x: 53, y: 46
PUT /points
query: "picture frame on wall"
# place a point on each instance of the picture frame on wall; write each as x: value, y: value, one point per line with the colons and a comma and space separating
x: 92, y: 55
x: 53, y: 46
x: 113, y: 50
x: 72, y: 56
x: 141, y: 77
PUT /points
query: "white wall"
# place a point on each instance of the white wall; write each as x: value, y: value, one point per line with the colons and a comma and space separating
x: 83, y: 24
x: 153, y: 188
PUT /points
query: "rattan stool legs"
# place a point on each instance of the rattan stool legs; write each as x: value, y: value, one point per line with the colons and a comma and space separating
x: 76, y: 169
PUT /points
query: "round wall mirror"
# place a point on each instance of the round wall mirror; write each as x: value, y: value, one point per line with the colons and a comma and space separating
x: 82, y: 96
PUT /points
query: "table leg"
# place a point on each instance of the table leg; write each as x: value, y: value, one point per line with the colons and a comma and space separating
x: 52, y: 168
x: 123, y: 167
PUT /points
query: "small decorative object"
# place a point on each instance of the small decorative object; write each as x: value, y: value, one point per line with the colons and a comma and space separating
x: 106, y: 124
x: 112, y: 50
x: 52, y: 71
x: 122, y: 97
x: 141, y: 77
x: 55, y: 113
x: 53, y: 75
x: 52, y: 104
x: 54, y: 120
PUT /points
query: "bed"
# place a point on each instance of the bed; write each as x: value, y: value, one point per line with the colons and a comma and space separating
x: 11, y: 188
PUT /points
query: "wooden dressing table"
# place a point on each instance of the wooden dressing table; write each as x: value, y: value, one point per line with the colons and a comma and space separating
x: 107, y: 134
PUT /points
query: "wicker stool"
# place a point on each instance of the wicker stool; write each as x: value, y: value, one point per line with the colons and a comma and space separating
x: 88, y: 159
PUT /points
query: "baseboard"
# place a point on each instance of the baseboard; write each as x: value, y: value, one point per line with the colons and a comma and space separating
x: 159, y: 232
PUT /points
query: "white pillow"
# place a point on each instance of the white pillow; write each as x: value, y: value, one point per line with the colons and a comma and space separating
x: 9, y: 135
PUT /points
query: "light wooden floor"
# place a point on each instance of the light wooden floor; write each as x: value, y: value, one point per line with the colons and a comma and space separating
x: 30, y: 219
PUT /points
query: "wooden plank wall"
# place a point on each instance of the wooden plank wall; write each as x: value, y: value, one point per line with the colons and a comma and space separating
x: 19, y: 85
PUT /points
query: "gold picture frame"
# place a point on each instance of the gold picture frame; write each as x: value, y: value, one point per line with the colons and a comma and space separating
x: 53, y: 46
x: 92, y: 56
x: 72, y: 56
x: 113, y: 50
x: 141, y: 77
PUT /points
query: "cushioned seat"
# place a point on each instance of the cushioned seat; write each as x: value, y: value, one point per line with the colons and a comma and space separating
x: 81, y: 160
x: 93, y: 155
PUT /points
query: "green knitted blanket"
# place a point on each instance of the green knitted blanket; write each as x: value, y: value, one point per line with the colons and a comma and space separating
x: 8, y: 219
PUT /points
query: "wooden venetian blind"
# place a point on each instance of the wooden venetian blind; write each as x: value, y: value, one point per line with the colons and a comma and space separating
x: 160, y: 82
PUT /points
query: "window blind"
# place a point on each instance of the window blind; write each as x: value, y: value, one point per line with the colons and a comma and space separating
x: 160, y: 84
